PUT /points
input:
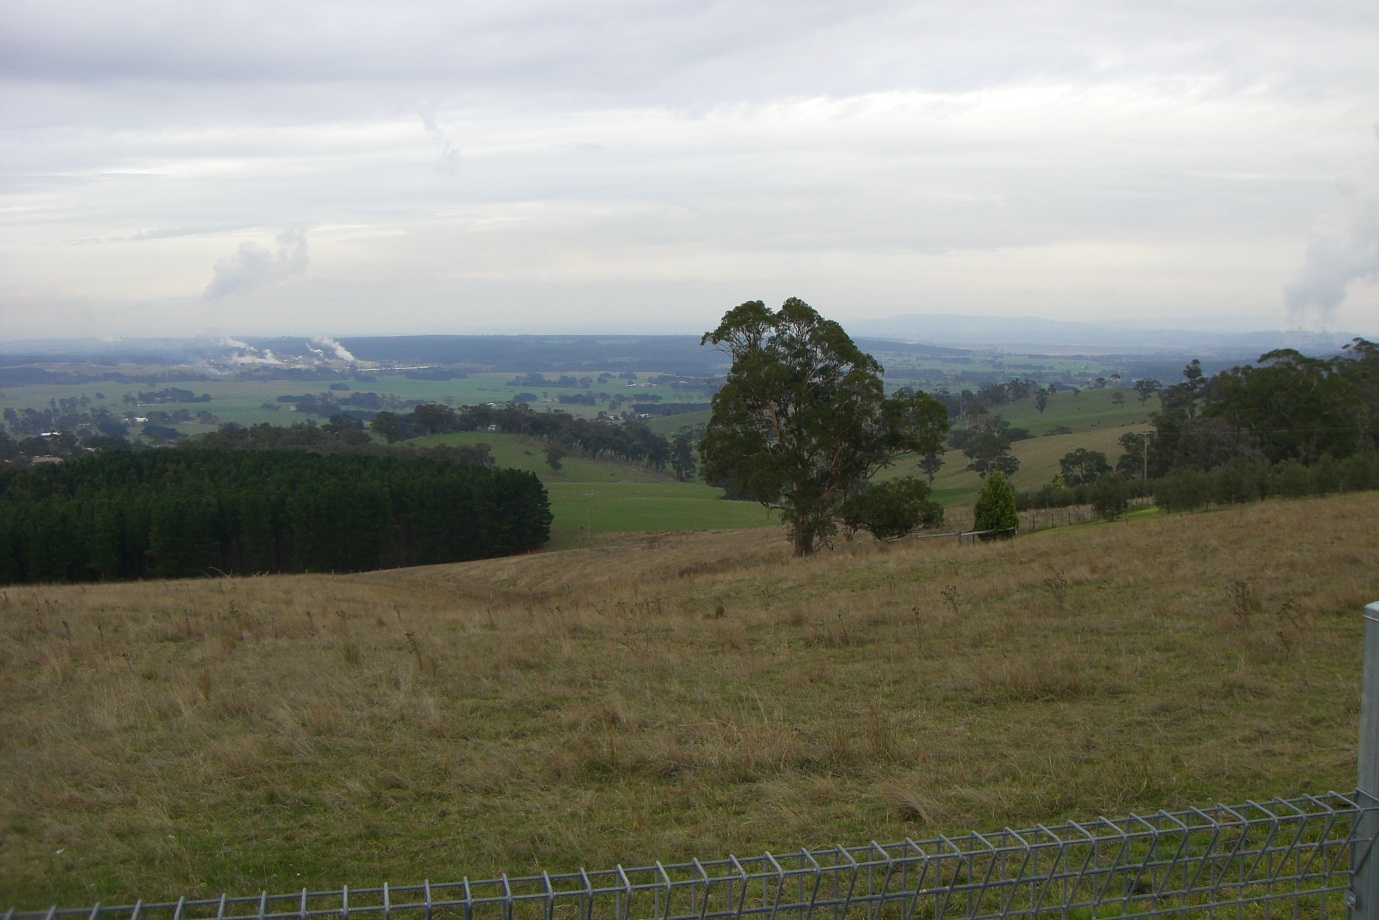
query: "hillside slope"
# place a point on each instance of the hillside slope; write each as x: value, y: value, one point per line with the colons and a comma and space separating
x: 667, y: 696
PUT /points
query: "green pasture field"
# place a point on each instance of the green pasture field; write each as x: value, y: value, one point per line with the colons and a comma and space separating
x: 955, y: 486
x: 582, y: 508
x: 667, y: 425
x: 1085, y: 410
x: 607, y: 496
x: 926, y: 372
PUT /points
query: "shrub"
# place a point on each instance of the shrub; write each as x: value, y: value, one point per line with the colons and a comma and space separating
x: 891, y: 510
x: 1110, y: 497
x: 1183, y: 491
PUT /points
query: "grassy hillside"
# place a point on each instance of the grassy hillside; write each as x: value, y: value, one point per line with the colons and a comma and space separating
x: 955, y: 486
x: 668, y: 696
x: 1086, y: 410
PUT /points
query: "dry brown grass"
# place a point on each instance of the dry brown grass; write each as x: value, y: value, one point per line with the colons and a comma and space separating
x: 668, y: 696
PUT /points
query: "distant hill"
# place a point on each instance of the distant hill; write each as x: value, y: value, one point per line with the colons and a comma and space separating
x: 1032, y: 334
x: 675, y: 354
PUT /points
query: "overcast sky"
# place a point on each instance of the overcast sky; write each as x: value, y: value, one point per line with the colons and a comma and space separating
x: 343, y: 168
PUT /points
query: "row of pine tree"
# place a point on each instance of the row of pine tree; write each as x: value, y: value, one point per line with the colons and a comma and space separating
x: 184, y: 513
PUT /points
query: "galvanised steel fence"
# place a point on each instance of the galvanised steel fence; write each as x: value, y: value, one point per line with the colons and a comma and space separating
x: 1299, y: 857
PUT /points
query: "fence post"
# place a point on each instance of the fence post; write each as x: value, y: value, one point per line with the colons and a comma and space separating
x: 1364, y: 858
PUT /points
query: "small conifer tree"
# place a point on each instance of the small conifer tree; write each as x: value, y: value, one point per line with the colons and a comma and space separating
x: 995, y: 508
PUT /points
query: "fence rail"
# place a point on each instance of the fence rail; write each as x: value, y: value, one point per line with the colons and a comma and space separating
x: 1293, y: 854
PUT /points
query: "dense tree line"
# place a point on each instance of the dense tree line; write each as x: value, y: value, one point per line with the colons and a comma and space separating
x: 1250, y: 480
x: 180, y: 513
x: 1289, y: 426
x: 79, y: 419
x: 629, y: 441
x: 1288, y: 407
x: 329, y: 404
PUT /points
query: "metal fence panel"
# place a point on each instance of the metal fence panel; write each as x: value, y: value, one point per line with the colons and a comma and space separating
x: 1288, y: 857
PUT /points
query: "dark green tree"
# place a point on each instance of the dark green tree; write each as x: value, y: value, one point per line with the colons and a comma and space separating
x: 682, y: 459
x: 803, y: 419
x: 891, y: 510
x: 930, y: 464
x: 995, y: 507
x: 1134, y: 462
x: 554, y: 454
x: 433, y: 418
x: 1298, y: 407
x: 1083, y: 466
x: 1147, y: 388
x: 386, y: 425
x: 987, y: 448
x: 1359, y: 363
x: 1110, y: 497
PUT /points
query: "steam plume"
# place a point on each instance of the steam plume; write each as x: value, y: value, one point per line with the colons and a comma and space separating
x: 1335, y: 259
x: 340, y: 351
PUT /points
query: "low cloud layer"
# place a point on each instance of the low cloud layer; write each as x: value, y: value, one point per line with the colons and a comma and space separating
x: 653, y: 164
x: 254, y: 267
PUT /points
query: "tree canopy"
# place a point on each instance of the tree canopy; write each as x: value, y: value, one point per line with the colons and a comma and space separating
x: 803, y: 419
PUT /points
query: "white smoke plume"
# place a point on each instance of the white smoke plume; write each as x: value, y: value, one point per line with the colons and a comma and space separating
x: 1333, y: 262
x: 254, y: 266
x: 1345, y: 253
x: 246, y: 353
x: 255, y: 358
x: 341, y: 352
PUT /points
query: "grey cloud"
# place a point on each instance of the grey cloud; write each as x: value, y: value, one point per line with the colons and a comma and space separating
x: 686, y: 52
x: 253, y: 266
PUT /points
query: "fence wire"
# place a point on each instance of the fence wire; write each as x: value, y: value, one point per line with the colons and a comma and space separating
x: 1282, y: 857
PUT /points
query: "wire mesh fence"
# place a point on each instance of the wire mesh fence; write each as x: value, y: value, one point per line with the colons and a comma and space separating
x: 1284, y: 857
